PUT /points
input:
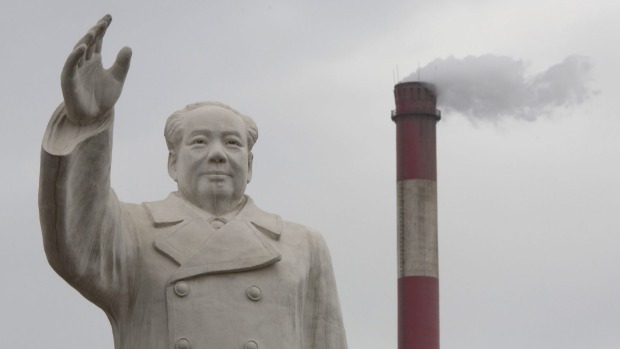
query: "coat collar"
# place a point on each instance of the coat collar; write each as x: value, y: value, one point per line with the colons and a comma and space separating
x: 175, y: 209
x: 244, y: 243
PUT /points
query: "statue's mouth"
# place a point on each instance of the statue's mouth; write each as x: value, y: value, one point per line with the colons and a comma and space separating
x: 218, y: 173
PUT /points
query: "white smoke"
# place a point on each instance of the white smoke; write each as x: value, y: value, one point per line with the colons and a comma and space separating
x: 490, y: 87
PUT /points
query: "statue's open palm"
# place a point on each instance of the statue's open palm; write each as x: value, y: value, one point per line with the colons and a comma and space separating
x: 88, y: 89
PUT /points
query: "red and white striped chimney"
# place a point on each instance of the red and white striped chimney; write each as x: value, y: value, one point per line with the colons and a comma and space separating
x: 416, y: 117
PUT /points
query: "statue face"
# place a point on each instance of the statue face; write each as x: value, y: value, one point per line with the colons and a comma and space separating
x: 213, y: 161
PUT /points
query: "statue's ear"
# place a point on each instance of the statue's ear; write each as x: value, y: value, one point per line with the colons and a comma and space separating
x: 172, y: 166
x: 250, y: 160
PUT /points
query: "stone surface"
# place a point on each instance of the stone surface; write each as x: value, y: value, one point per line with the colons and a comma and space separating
x: 203, y: 268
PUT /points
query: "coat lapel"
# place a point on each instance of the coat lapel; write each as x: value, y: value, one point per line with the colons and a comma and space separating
x: 186, y: 237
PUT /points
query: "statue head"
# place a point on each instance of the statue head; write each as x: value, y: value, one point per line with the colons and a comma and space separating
x: 210, y: 154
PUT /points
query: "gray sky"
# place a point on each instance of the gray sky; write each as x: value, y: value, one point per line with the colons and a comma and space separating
x: 528, y: 222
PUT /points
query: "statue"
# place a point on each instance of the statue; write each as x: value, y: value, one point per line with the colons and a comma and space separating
x: 203, y: 268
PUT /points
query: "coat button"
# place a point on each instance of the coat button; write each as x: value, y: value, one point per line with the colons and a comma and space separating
x: 181, y: 289
x: 254, y: 293
x: 250, y: 345
x: 182, y: 343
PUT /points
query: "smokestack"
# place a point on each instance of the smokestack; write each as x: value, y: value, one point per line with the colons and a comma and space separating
x: 416, y: 117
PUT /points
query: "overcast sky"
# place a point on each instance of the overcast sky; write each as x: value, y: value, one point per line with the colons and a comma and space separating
x: 529, y: 229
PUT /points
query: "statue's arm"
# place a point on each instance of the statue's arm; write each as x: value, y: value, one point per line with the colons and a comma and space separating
x: 324, y: 328
x: 88, y: 238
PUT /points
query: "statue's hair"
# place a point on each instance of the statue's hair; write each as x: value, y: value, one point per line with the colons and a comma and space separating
x: 174, y: 125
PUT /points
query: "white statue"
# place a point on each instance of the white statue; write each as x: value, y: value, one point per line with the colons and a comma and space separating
x: 203, y: 268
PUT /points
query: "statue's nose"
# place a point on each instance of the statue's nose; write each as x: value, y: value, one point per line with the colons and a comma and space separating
x: 216, y: 154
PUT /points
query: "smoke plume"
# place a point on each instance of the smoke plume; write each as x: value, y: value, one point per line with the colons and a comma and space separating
x: 490, y: 87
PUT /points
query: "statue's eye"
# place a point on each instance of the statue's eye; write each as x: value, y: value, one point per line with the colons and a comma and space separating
x: 200, y: 141
x: 233, y: 142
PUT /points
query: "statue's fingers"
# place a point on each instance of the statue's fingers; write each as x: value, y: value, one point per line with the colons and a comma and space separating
x: 107, y: 19
x: 71, y: 64
x: 121, y: 66
x: 90, y: 48
x: 99, y: 29
x: 99, y: 37
x: 82, y: 58
x: 86, y: 39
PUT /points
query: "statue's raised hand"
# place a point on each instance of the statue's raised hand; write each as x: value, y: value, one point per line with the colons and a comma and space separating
x: 88, y: 89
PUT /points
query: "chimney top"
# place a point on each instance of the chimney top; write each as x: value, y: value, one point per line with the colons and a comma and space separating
x: 415, y: 98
